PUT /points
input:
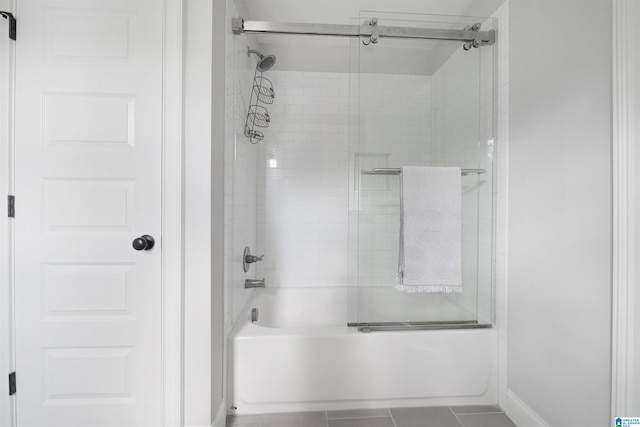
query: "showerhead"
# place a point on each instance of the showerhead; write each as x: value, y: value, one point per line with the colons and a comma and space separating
x: 265, y: 63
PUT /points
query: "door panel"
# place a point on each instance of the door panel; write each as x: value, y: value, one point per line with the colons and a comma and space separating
x: 88, y: 163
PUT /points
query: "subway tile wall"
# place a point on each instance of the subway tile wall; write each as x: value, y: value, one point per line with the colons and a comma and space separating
x: 394, y: 129
x: 303, y: 181
x: 310, y: 171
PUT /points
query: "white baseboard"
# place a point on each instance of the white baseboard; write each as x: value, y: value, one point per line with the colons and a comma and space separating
x: 520, y: 413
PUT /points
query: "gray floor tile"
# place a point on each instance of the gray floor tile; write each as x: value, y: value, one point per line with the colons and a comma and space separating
x: 362, y: 422
x: 485, y: 420
x: 424, y: 417
x: 295, y: 419
x: 358, y: 413
x: 244, y: 420
x: 475, y: 409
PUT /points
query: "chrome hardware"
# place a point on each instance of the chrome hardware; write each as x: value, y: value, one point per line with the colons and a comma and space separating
x: 419, y: 326
x: 398, y: 171
x: 240, y: 26
x: 476, y: 42
x: 143, y: 243
x: 254, y: 315
x: 374, y: 37
x: 473, y: 43
x: 253, y: 283
x: 252, y: 258
x: 247, y: 258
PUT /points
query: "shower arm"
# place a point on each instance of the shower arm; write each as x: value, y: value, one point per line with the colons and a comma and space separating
x: 468, y: 34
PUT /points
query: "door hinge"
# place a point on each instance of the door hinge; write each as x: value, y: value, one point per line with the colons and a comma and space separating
x: 12, y: 23
x: 12, y: 383
x: 11, y: 206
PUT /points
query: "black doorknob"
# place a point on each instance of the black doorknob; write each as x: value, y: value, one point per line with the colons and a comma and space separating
x: 143, y: 243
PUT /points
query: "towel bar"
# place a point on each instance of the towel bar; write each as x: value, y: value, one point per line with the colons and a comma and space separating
x: 396, y: 171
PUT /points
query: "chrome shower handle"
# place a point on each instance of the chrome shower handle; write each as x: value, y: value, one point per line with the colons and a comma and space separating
x: 252, y: 258
x: 247, y: 258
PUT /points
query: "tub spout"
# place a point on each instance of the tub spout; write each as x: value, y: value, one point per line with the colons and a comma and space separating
x: 254, y: 283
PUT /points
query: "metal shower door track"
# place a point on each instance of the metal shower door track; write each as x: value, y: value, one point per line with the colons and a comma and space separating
x: 419, y: 326
x: 468, y: 34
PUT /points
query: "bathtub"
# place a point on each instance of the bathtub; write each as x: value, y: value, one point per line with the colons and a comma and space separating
x: 301, y: 356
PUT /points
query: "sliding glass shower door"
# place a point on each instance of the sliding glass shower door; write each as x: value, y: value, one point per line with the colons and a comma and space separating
x: 417, y: 102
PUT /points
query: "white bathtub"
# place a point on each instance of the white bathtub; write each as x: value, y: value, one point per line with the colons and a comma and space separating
x: 301, y: 356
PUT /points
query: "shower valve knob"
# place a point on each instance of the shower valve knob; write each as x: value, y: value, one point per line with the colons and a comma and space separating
x: 252, y: 258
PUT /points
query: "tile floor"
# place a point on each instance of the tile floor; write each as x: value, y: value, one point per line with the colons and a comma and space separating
x: 445, y: 416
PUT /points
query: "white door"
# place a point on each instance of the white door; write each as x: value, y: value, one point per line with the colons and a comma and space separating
x: 88, y: 137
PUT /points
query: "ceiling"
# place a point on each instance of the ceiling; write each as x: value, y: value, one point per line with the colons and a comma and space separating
x: 342, y: 54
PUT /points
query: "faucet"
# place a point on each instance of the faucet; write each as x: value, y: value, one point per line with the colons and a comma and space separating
x: 254, y: 283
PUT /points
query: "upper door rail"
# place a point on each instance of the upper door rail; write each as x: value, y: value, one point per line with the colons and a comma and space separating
x: 470, y: 34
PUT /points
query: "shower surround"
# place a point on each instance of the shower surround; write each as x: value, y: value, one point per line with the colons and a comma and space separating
x: 309, y: 165
x: 310, y: 140
x: 303, y: 200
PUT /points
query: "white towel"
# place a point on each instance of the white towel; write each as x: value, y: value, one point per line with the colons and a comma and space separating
x: 430, y: 230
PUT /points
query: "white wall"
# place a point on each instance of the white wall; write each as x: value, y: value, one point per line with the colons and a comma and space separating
x: 241, y: 170
x: 201, y: 342
x: 634, y: 135
x: 559, y: 302
x: 626, y: 200
x: 220, y: 65
x: 500, y: 196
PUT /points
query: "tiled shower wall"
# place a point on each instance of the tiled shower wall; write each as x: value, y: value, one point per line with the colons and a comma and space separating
x: 394, y: 130
x: 309, y: 176
x: 303, y: 181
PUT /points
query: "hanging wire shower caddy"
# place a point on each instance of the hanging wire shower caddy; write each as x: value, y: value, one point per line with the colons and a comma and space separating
x: 261, y: 93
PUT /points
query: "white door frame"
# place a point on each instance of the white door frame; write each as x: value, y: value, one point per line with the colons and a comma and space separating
x: 172, y: 216
x: 7, y: 53
x: 626, y: 212
x: 172, y: 227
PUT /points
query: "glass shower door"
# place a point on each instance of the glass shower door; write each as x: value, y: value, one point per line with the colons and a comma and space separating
x: 419, y: 102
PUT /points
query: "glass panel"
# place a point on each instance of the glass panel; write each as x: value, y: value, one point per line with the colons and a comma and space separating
x: 419, y: 103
